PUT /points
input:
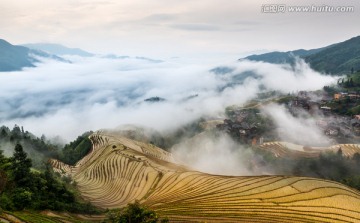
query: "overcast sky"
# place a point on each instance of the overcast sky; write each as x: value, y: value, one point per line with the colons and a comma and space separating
x: 171, y: 28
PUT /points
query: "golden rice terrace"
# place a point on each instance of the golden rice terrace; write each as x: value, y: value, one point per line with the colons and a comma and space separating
x: 120, y: 170
x: 290, y: 150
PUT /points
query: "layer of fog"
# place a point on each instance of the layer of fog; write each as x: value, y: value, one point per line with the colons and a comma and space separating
x: 300, y: 129
x: 214, y: 154
x: 94, y: 93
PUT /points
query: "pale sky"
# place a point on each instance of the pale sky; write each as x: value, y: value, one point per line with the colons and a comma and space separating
x: 171, y: 28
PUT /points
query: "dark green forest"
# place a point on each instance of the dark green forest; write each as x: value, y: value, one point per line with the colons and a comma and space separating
x: 26, y: 179
x: 22, y: 187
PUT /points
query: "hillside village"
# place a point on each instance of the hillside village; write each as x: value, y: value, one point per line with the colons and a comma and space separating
x: 335, y: 114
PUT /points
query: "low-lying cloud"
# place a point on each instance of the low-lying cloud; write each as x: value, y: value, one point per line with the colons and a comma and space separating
x: 214, y: 154
x: 94, y: 93
x: 300, y: 130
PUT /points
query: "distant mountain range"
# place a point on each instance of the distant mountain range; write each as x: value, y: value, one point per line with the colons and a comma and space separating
x: 283, y: 57
x: 58, y: 49
x: 14, y: 58
x: 17, y: 57
x: 339, y: 58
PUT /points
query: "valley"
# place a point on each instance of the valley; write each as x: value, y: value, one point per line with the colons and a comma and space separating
x: 192, y: 111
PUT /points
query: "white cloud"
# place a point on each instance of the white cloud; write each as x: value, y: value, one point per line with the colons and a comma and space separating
x: 94, y: 93
x: 141, y: 27
x: 214, y: 154
x: 299, y: 130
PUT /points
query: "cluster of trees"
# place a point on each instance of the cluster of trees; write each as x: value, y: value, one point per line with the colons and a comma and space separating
x: 37, y: 148
x: 76, y: 150
x: 23, y: 187
x: 331, y: 90
x: 41, y: 149
x: 349, y: 83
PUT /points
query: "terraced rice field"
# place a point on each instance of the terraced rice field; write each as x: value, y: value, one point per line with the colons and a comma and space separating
x: 289, y: 150
x: 47, y: 217
x: 119, y: 171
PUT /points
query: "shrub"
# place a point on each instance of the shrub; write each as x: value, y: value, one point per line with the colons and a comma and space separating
x: 134, y: 213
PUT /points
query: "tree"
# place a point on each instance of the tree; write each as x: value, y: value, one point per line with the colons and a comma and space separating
x: 21, y: 198
x: 2, y: 158
x: 3, y: 133
x: 340, y: 153
x: 356, y: 158
x: 16, y: 132
x: 21, y: 165
x: 3, y: 180
x: 351, y: 84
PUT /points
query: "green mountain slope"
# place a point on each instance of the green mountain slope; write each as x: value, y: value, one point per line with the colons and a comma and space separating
x: 337, y: 58
x: 282, y: 57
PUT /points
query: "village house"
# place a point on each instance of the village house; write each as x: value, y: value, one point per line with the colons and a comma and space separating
x: 356, y: 128
x: 303, y: 95
x: 322, y: 123
x: 332, y: 131
x: 325, y: 110
x: 354, y: 96
x: 340, y: 95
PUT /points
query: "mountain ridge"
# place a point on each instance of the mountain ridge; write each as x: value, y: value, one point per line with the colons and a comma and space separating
x: 278, y: 57
x: 338, y: 58
x: 58, y: 49
x: 15, y: 58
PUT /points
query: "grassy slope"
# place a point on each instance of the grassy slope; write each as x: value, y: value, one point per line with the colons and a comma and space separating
x: 119, y: 171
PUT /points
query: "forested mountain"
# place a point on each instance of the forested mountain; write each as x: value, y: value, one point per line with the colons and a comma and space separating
x: 339, y: 58
x: 282, y: 57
